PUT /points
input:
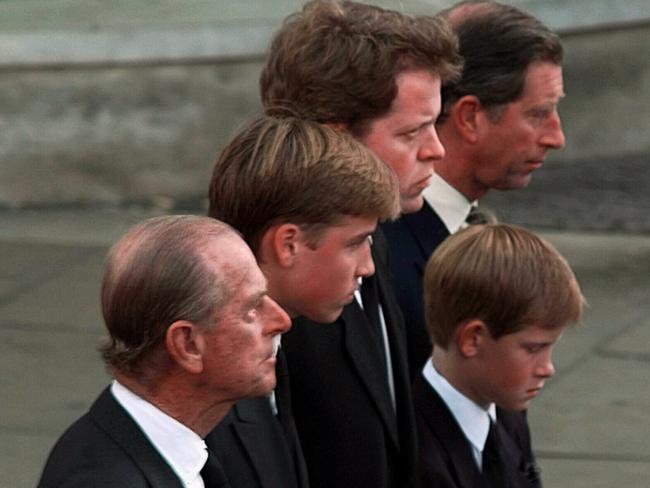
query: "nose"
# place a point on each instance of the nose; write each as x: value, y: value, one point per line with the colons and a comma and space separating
x: 545, y: 369
x: 277, y: 321
x: 366, y: 266
x: 432, y: 148
x: 553, y: 136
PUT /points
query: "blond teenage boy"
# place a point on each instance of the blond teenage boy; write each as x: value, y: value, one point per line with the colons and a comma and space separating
x: 306, y: 198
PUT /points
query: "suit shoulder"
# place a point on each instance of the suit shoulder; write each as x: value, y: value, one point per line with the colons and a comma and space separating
x: 84, y: 456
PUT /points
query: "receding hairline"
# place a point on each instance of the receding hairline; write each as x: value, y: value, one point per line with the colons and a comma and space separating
x: 464, y: 11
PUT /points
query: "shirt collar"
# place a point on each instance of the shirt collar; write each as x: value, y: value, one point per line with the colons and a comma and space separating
x: 451, y: 205
x: 180, y: 446
x: 470, y: 417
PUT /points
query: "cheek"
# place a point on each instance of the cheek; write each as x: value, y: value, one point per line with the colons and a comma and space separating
x: 517, y: 373
x: 243, y: 340
x: 507, y: 368
x: 401, y: 161
x: 341, y: 275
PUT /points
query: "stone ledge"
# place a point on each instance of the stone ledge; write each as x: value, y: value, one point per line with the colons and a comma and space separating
x: 139, y: 32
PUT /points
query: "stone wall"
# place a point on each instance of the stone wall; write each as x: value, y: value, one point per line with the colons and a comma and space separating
x: 127, y: 109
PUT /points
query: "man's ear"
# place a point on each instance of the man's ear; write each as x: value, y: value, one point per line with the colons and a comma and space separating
x: 285, y: 241
x: 467, y: 114
x: 186, y: 345
x: 470, y: 336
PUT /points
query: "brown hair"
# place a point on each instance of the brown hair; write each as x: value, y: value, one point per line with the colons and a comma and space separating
x: 338, y: 61
x: 279, y: 170
x: 154, y: 276
x: 498, y: 43
x: 503, y: 275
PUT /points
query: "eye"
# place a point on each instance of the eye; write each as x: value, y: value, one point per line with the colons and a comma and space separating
x: 254, y: 308
x: 412, y: 133
x: 534, y: 348
x: 541, y: 114
x: 358, y: 243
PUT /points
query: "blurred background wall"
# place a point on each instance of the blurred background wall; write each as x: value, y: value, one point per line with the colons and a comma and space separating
x: 128, y: 102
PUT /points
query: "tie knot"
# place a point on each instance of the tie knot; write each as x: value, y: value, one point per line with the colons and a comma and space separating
x: 479, y: 216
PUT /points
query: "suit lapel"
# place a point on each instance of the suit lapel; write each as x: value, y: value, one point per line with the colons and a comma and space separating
x: 427, y: 230
x: 520, y: 473
x: 109, y: 415
x: 445, y: 428
x: 364, y: 351
x: 405, y: 415
x: 259, y: 442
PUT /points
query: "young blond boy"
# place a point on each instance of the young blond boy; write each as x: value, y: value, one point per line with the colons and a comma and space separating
x: 497, y: 299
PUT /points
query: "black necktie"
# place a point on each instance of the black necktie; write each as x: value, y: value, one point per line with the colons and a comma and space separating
x: 283, y: 396
x: 370, y: 299
x: 493, y: 469
x: 213, y: 474
x: 285, y: 413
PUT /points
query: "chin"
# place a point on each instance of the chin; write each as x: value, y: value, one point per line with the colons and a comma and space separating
x: 516, y: 406
x: 412, y: 204
x: 265, y: 387
x: 329, y: 318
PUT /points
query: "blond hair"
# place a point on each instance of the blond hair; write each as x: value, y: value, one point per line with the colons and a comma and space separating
x: 283, y: 169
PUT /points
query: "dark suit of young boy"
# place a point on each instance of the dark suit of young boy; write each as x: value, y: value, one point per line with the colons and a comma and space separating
x: 497, y: 300
x: 447, y: 458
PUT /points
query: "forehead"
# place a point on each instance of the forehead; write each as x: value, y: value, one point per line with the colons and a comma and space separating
x: 349, y: 227
x: 230, y: 258
x: 536, y: 333
x: 417, y: 91
x: 543, y: 83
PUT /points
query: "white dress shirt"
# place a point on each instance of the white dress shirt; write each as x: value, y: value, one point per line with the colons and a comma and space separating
x: 473, y: 420
x: 451, y: 205
x: 181, y: 447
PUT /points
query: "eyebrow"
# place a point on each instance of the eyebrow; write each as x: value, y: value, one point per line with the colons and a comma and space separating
x: 256, y: 297
x: 361, y: 236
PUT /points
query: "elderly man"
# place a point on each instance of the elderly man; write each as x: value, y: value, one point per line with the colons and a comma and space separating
x: 498, y: 123
x: 191, y: 330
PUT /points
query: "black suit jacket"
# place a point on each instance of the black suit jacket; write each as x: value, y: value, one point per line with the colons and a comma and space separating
x: 445, y: 456
x: 411, y: 241
x: 254, y: 449
x: 350, y: 433
x: 106, y: 448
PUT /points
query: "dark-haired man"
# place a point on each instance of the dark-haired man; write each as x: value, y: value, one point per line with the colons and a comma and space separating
x: 499, y: 120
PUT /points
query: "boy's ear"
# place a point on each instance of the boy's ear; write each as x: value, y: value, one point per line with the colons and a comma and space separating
x: 470, y: 337
x: 467, y: 115
x: 286, y: 240
x: 186, y: 345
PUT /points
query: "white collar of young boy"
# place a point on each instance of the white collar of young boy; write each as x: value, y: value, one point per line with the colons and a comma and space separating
x: 471, y: 418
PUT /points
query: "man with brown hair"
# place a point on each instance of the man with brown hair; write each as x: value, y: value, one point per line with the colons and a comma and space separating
x: 372, y: 72
x: 286, y: 185
x: 192, y: 330
x: 498, y: 122
x: 375, y: 74
x: 497, y: 300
